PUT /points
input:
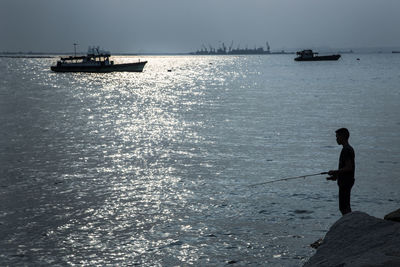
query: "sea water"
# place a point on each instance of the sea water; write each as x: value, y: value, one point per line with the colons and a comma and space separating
x: 155, y: 168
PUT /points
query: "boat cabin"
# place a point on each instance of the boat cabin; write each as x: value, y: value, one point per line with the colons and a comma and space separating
x: 306, y: 54
x: 94, y: 57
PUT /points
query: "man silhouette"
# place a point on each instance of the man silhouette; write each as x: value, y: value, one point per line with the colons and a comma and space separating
x: 345, y: 173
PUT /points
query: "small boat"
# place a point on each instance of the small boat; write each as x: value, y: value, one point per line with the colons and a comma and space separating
x: 309, y: 55
x: 95, y: 61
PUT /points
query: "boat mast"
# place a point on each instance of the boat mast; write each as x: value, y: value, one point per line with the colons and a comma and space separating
x: 75, y: 44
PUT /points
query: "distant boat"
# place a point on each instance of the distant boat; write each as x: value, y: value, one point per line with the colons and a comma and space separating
x: 95, y: 61
x: 309, y: 55
x: 396, y: 52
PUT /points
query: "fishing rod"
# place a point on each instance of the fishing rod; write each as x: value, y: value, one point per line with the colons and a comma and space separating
x: 290, y: 178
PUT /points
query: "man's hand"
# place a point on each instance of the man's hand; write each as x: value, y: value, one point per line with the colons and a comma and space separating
x: 331, y: 178
x: 332, y: 175
x: 332, y: 172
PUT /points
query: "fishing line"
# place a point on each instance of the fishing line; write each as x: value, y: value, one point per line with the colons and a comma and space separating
x: 289, y: 178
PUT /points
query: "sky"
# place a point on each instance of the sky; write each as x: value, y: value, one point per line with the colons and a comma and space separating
x: 145, y: 26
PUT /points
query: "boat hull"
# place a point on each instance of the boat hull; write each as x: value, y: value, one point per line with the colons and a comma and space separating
x: 128, y: 67
x: 318, y: 58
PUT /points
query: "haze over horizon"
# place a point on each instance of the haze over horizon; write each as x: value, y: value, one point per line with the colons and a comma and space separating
x: 175, y: 26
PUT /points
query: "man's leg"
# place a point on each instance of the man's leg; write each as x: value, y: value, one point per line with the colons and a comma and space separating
x: 344, y: 198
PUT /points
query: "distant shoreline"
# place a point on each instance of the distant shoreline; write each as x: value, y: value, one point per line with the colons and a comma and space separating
x: 54, y: 55
x: 26, y: 56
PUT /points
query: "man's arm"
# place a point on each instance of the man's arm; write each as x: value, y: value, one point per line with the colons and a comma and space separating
x: 346, y: 169
x: 335, y: 173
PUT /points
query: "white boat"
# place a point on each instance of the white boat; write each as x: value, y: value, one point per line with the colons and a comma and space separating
x: 96, y: 60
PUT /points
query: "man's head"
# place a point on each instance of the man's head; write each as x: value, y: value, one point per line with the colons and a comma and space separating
x: 342, y: 136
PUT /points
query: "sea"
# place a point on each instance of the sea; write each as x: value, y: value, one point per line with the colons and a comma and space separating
x: 168, y: 167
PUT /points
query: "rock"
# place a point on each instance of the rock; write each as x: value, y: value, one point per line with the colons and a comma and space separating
x: 393, y: 216
x: 317, y: 243
x: 358, y: 239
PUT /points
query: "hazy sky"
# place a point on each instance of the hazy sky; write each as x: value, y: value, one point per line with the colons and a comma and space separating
x: 184, y: 25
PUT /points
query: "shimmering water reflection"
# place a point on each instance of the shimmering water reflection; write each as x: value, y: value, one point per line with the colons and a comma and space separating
x: 153, y: 168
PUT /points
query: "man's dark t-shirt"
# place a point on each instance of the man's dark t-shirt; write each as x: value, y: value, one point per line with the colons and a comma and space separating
x: 346, y: 154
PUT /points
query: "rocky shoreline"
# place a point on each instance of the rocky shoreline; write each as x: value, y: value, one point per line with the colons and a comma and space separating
x: 358, y: 239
